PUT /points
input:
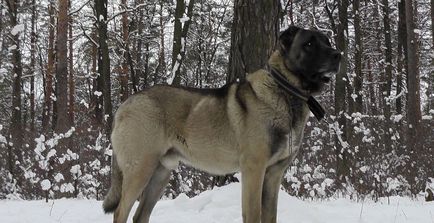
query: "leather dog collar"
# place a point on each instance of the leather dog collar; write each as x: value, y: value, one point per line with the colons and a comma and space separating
x: 284, y: 84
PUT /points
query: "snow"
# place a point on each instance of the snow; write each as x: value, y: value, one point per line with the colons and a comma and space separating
x: 58, y: 177
x: 354, y: 96
x: 427, y: 117
x: 3, y: 74
x: 76, y: 169
x: 223, y: 205
x: 45, y: 184
x: 397, y: 118
x: 17, y: 29
x: 97, y: 93
x: 13, y: 47
x: 83, y: 102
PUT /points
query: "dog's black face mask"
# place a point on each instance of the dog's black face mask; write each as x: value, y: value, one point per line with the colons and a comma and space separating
x: 309, y: 55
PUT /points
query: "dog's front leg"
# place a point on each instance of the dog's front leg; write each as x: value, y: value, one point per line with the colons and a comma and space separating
x: 252, y: 174
x: 270, y: 190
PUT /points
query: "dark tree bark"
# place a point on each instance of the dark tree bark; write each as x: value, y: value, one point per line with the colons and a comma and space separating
x: 48, y: 83
x: 32, y: 67
x: 255, y: 30
x: 413, y: 75
x: 62, y: 122
x: 124, y: 92
x: 138, y: 52
x: 16, y: 125
x: 104, y: 62
x: 161, y: 68
x: 342, y: 156
x: 180, y: 38
x: 358, y: 79
x: 402, y: 55
x: 71, y: 83
x: 97, y: 85
x: 388, y: 74
x: 414, y: 115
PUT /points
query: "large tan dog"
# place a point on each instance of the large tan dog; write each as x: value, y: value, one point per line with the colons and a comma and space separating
x: 255, y: 127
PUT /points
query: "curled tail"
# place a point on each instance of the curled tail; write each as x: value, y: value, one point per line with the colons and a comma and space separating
x: 111, y: 201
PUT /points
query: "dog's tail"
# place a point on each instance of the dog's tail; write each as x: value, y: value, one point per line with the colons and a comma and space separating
x: 111, y: 201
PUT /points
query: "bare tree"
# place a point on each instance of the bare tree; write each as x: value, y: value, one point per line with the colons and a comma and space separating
x: 414, y: 115
x: 430, y: 91
x: 179, y: 37
x: 16, y: 128
x: 62, y: 122
x: 402, y: 54
x: 71, y: 83
x: 387, y: 87
x: 32, y: 67
x: 48, y: 80
x: 342, y: 156
x: 104, y: 62
x: 125, y: 52
x: 358, y: 51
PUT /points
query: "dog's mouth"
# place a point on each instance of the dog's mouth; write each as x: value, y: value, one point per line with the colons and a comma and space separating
x: 327, y: 76
x: 328, y: 73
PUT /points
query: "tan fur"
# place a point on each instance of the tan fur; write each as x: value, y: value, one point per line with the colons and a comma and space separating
x: 162, y: 126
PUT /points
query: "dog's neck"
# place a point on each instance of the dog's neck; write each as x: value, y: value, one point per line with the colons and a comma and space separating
x: 292, y: 84
x: 296, y: 79
x: 277, y: 63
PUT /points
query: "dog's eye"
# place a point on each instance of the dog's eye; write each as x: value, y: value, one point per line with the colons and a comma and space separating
x: 308, y: 44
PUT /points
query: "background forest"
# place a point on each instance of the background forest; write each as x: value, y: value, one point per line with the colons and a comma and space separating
x: 65, y: 66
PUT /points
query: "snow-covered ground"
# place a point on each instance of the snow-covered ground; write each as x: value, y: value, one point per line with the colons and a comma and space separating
x: 223, y: 205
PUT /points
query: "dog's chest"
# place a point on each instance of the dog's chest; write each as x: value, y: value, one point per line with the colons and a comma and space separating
x: 286, y: 131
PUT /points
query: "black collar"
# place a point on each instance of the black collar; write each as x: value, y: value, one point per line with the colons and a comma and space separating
x: 283, y: 83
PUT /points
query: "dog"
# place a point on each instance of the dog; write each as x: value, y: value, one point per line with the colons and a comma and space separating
x: 255, y: 127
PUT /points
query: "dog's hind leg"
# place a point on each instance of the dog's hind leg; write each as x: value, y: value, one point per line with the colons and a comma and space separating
x: 151, y: 194
x: 135, y: 178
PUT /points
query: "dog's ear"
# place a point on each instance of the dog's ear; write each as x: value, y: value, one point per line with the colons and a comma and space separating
x: 286, y: 37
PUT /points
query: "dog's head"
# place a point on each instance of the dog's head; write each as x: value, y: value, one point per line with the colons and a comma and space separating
x: 309, y: 55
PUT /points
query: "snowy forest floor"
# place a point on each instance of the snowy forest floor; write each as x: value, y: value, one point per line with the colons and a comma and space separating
x: 223, y: 205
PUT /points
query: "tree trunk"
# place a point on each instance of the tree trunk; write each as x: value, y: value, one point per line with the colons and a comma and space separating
x: 161, y: 68
x: 413, y: 110
x: 179, y: 38
x: 124, y: 93
x: 104, y: 62
x: 32, y: 68
x: 371, y: 88
x: 402, y: 53
x: 61, y: 102
x: 62, y: 122
x: 16, y: 128
x: 430, y: 91
x: 139, y: 74
x: 358, y: 79
x: 48, y: 83
x: 71, y: 76
x: 96, y: 100
x: 255, y: 30
x: 388, y: 75
x: 342, y: 156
